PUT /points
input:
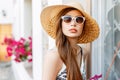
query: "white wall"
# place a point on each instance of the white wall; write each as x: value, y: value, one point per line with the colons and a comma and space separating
x: 22, y: 18
x: 7, y: 6
x: 18, y: 19
x: 27, y: 18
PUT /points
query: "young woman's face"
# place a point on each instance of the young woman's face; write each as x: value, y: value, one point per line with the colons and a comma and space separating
x: 72, y: 23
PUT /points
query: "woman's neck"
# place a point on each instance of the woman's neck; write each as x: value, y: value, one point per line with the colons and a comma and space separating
x: 73, y: 42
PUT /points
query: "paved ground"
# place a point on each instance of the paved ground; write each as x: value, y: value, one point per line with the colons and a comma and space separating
x: 6, y: 71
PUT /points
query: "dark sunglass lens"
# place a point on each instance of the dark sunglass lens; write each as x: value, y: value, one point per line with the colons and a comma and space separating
x: 67, y: 19
x: 79, y: 19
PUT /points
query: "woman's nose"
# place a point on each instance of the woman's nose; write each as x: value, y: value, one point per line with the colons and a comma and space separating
x: 73, y: 23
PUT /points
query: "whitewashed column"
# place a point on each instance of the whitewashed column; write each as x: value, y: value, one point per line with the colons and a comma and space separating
x: 21, y: 18
x: 18, y: 19
x: 37, y: 40
x: 98, y: 45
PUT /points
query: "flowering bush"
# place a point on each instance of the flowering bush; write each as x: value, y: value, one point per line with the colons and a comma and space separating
x: 21, y: 50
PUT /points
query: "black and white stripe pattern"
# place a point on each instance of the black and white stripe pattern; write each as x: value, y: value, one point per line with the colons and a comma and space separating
x: 62, y: 75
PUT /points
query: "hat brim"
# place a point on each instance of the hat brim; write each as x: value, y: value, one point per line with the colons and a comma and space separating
x: 48, y: 19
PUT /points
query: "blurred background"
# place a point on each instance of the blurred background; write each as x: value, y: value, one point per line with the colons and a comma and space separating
x: 21, y: 19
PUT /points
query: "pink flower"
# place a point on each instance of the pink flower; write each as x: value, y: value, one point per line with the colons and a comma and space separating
x: 31, y: 45
x: 9, y: 51
x: 21, y: 49
x: 8, y: 40
x: 17, y: 60
x: 96, y: 77
x: 30, y: 60
x: 22, y: 40
x: 30, y: 38
x: 29, y: 53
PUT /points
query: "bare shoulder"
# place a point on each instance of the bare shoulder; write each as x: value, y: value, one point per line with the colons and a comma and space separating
x: 53, y: 58
x: 52, y: 55
x: 86, y: 52
x: 51, y: 65
x: 85, y: 49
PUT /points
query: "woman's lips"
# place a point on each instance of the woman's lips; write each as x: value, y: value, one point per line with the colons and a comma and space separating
x: 73, y: 30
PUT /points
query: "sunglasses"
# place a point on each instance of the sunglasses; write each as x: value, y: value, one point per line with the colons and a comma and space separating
x: 77, y: 19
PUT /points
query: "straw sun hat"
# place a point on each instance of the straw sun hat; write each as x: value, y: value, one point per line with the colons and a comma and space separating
x: 48, y: 19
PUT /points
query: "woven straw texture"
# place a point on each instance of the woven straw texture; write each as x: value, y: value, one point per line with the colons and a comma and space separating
x: 48, y: 19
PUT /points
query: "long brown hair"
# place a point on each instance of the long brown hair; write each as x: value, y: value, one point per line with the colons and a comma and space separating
x: 66, y: 51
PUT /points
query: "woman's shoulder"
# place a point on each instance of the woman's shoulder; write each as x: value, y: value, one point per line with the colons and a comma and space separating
x: 85, y: 50
x: 52, y: 64
x: 52, y: 56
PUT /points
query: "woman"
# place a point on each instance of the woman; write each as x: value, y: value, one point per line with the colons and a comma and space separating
x: 69, y: 25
